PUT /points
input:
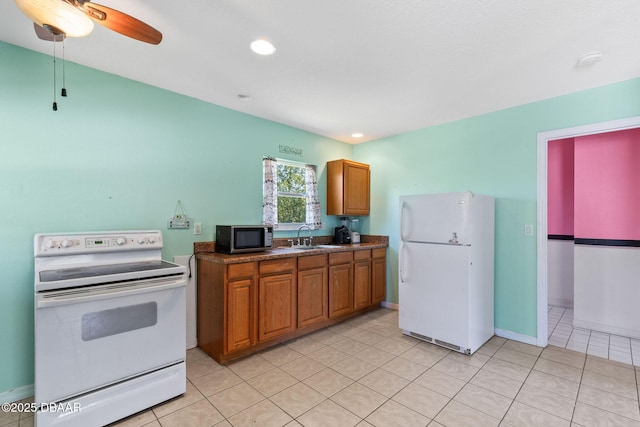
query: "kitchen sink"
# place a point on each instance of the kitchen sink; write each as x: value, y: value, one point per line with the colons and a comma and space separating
x: 307, y: 247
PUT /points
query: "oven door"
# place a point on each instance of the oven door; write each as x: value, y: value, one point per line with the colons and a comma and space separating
x: 90, y: 338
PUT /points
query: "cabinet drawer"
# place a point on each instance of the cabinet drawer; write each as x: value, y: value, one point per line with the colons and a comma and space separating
x: 340, y: 257
x: 237, y: 271
x: 313, y: 261
x: 277, y: 265
x: 358, y: 255
x: 379, y: 253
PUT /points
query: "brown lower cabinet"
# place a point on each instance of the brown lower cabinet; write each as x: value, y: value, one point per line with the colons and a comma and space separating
x: 378, y: 275
x: 241, y: 300
x: 361, y: 279
x: 277, y: 307
x: 240, y: 318
x: 247, y: 306
x: 340, y: 283
x: 313, y: 290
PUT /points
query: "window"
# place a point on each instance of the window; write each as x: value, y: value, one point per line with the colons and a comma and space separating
x: 290, y: 195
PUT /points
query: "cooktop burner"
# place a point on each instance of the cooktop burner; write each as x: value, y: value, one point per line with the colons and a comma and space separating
x: 104, y: 270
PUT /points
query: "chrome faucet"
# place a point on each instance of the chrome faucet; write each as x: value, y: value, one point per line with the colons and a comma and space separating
x: 310, y: 235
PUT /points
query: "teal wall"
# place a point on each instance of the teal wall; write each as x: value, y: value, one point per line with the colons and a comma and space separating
x: 118, y: 155
x: 491, y: 154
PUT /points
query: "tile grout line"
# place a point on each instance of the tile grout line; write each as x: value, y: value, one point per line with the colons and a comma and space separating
x: 326, y: 398
x: 468, y: 382
x: 264, y: 398
x: 363, y: 385
x: 519, y: 390
x: 590, y: 344
x: 575, y: 405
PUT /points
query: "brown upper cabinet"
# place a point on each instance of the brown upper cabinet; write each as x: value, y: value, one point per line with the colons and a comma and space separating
x: 347, y: 188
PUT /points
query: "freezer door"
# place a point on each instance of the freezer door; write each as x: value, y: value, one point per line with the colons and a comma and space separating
x: 435, y: 218
x: 434, y: 291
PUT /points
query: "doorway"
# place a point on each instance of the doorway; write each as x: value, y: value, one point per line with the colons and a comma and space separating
x: 542, y: 197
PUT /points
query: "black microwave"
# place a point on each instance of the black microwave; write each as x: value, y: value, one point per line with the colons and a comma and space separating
x: 233, y: 239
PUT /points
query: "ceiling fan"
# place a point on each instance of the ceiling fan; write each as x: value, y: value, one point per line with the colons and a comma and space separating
x: 55, y: 19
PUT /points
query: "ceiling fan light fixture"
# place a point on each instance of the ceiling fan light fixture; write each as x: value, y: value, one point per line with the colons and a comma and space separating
x: 262, y: 47
x: 57, y: 14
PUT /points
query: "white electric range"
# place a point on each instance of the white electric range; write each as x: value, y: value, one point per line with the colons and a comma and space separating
x: 110, y: 326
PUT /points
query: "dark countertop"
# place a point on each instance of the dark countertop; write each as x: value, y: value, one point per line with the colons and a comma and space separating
x: 203, y: 250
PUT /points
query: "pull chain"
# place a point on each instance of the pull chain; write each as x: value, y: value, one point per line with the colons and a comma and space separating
x: 64, y: 82
x: 55, y: 104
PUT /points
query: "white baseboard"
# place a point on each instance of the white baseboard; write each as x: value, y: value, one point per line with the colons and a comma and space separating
x: 516, y: 336
x: 607, y: 329
x: 16, y: 394
x: 391, y: 305
x: 499, y: 332
x: 564, y: 303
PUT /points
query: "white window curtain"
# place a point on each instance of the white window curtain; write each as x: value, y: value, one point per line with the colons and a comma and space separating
x: 270, y: 195
x: 313, y: 204
x: 270, y: 192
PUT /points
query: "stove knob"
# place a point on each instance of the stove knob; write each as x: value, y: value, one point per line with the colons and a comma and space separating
x: 50, y: 244
x: 67, y: 243
x: 141, y: 240
x: 151, y: 239
x: 120, y: 241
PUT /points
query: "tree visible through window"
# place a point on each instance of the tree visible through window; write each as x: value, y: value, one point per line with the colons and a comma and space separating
x: 292, y: 191
x: 290, y: 194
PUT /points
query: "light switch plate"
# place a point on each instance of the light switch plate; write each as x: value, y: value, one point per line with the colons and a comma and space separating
x: 528, y: 230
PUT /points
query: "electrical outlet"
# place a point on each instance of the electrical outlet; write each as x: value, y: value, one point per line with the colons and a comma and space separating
x: 197, y: 228
x: 528, y: 230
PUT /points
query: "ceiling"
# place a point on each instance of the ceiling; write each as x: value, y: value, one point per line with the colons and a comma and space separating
x: 380, y: 67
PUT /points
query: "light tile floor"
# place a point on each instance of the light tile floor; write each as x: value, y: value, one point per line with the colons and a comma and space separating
x: 613, y: 347
x: 364, y: 372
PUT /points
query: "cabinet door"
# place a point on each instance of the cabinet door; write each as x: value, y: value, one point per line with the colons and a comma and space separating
x: 356, y: 189
x: 313, y: 293
x: 277, y: 306
x: 378, y: 280
x: 361, y: 284
x: 340, y: 289
x: 240, y: 314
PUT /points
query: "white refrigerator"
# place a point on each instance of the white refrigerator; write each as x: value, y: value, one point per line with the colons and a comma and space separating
x: 446, y: 269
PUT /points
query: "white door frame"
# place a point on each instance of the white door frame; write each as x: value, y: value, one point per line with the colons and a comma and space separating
x: 543, y: 139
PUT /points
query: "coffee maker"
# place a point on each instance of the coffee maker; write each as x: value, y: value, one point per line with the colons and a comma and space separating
x: 354, y: 230
x: 342, y: 235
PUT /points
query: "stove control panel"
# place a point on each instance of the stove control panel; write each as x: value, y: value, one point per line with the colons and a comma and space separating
x: 46, y: 244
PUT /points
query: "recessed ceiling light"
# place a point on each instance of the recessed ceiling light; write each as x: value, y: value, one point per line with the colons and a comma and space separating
x: 357, y: 135
x: 262, y: 47
x: 589, y: 59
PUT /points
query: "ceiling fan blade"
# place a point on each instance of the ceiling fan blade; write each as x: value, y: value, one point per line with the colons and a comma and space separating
x: 121, y: 22
x: 48, y: 34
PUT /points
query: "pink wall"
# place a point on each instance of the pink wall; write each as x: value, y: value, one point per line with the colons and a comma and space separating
x: 560, y: 187
x: 607, y: 186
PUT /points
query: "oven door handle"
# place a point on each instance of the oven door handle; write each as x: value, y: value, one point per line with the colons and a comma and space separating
x: 100, y: 292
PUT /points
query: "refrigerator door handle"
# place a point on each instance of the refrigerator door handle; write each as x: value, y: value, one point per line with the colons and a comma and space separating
x: 403, y: 208
x: 403, y: 258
